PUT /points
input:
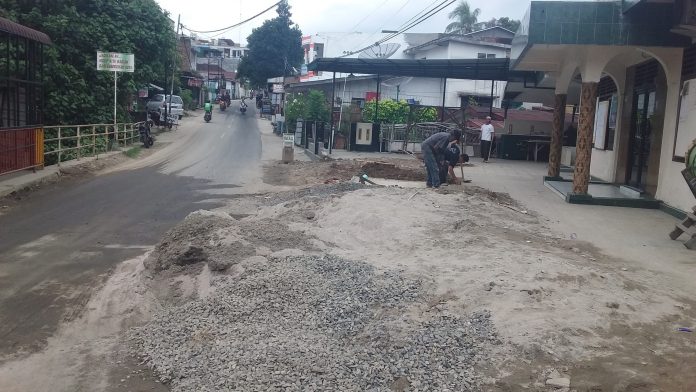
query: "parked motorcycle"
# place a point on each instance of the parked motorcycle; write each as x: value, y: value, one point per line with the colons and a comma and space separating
x: 145, y: 136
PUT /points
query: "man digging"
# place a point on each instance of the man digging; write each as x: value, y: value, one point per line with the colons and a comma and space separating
x: 434, y: 149
x: 453, y: 157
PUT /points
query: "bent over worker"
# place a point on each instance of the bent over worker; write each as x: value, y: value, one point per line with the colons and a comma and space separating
x: 433, y: 153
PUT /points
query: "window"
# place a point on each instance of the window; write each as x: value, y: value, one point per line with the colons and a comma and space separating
x: 490, y: 56
x: 482, y: 55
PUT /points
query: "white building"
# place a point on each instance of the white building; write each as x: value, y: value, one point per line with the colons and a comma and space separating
x: 492, y: 43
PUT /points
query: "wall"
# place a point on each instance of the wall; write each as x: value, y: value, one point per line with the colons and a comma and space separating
x: 672, y: 188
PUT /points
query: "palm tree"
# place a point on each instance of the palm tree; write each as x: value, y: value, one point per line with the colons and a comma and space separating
x: 464, y: 18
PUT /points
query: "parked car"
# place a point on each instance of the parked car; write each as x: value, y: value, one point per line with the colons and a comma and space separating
x: 156, y: 104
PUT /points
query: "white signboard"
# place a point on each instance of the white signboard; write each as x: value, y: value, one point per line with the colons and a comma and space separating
x: 278, y: 88
x: 115, y: 62
x: 288, y: 139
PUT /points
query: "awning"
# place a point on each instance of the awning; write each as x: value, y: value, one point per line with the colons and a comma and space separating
x: 155, y: 87
x: 471, y: 69
x: 23, y: 31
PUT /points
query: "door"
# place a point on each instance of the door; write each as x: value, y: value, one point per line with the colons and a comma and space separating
x: 641, y: 138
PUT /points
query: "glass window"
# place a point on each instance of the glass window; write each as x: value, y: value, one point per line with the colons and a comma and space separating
x: 482, y: 55
x: 490, y: 56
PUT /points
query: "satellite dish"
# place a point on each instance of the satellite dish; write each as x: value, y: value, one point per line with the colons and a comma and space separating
x: 396, y: 82
x: 379, y: 51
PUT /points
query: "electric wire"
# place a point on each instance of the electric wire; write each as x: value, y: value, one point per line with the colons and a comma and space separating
x: 237, y: 24
x: 407, y: 26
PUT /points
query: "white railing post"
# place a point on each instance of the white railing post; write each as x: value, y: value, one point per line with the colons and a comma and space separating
x: 94, y: 141
x: 60, y: 152
x: 79, y: 144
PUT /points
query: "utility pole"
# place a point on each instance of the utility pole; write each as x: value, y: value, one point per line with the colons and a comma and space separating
x: 171, y: 91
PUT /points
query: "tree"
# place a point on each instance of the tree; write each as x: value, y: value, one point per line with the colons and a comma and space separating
x: 397, y: 112
x: 464, y: 18
x: 510, y: 24
x: 274, y: 49
x: 76, y: 93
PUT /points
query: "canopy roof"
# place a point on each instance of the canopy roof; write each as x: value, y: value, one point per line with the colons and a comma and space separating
x: 471, y: 69
x: 23, y: 31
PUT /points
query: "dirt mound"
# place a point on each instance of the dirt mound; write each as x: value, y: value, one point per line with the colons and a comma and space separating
x: 221, y: 241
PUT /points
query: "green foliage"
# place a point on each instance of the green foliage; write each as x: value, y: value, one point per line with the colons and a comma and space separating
x: 309, y: 107
x: 132, y: 152
x: 76, y: 93
x: 510, y: 24
x: 317, y: 107
x: 396, y: 112
x: 187, y: 96
x: 295, y: 107
x: 274, y: 49
x: 464, y: 18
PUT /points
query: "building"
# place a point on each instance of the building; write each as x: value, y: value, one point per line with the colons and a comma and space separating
x: 21, y: 97
x: 215, y: 62
x: 635, y: 64
x: 425, y: 91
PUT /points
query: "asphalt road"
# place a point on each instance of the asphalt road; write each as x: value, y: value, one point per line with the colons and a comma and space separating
x: 61, y: 241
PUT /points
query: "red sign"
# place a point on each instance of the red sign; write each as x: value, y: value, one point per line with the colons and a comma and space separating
x: 370, y: 96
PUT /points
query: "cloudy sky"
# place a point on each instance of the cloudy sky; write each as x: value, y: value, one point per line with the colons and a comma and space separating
x: 328, y: 15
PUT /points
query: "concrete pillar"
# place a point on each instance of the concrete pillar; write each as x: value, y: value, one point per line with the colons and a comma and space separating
x: 557, y: 135
x: 583, y: 154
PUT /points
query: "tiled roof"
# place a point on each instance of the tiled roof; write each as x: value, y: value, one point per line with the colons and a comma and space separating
x: 23, y: 31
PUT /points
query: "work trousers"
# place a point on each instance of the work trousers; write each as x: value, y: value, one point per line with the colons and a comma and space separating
x: 431, y: 166
x: 485, y: 149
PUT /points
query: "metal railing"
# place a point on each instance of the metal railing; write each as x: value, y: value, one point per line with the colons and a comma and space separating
x: 401, y: 136
x: 66, y: 142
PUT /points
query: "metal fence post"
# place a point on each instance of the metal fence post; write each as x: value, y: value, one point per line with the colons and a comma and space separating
x: 59, y: 148
x: 79, y: 144
x: 94, y: 140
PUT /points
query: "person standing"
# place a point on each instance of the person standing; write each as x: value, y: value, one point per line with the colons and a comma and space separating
x: 434, y: 149
x: 487, y: 137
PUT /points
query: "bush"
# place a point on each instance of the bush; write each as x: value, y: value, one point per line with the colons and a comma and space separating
x: 187, y: 97
x: 397, y: 112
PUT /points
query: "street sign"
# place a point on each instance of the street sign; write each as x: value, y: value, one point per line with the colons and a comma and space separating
x: 278, y: 88
x: 288, y: 139
x: 115, y: 62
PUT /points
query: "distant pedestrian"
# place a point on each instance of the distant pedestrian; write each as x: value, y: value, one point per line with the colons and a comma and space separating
x: 487, y: 137
x: 433, y: 149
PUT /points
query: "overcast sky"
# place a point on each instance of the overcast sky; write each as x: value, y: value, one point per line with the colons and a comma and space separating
x: 316, y: 16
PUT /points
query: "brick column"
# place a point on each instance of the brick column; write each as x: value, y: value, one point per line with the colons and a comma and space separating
x: 557, y: 135
x: 583, y: 153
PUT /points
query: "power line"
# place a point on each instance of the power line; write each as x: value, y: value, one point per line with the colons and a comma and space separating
x: 420, y: 20
x: 238, y: 24
x: 368, y: 15
x: 369, y: 39
x: 411, y: 23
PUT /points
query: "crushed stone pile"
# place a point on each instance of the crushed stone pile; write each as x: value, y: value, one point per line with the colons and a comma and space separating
x: 314, y: 323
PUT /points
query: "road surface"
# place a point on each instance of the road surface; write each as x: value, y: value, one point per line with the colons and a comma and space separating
x: 61, y: 241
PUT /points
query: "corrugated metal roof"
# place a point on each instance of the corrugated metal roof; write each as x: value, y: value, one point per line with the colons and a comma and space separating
x: 471, y: 69
x: 23, y: 31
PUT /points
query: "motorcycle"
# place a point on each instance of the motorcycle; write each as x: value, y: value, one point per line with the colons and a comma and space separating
x: 207, y: 116
x: 145, y: 136
x: 243, y: 106
x: 223, y: 105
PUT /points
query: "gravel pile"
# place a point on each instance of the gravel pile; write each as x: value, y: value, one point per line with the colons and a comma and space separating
x: 314, y: 323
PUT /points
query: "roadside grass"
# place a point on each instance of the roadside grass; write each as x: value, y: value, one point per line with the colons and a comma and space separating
x: 132, y: 152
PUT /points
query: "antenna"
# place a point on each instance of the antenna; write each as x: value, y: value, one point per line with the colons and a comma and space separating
x: 379, y: 51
